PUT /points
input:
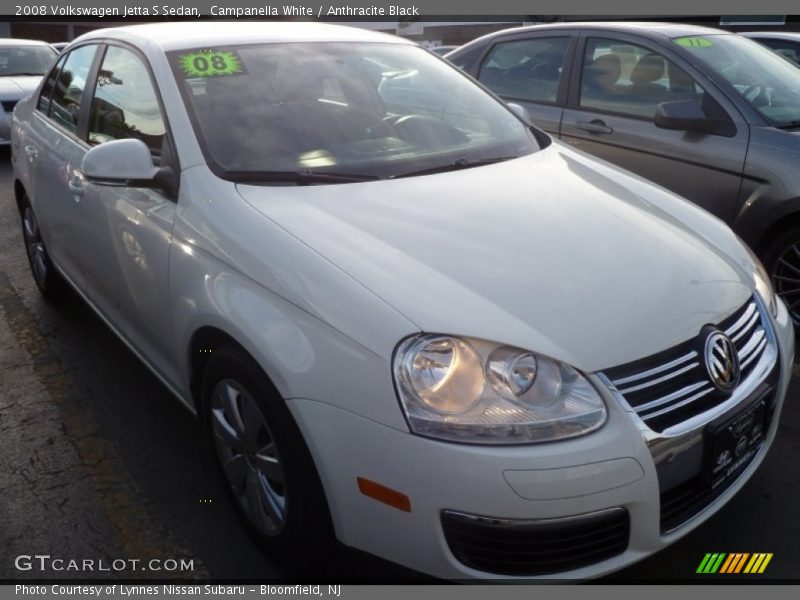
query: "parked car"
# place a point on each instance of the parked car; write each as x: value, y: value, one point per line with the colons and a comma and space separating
x: 442, y: 50
x: 22, y: 64
x: 408, y: 319
x: 785, y: 43
x: 710, y: 115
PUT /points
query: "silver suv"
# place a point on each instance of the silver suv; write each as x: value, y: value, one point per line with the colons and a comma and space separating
x: 710, y: 115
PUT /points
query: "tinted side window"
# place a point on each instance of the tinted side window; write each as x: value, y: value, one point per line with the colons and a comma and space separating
x: 467, y: 59
x: 66, y: 100
x: 625, y: 78
x: 125, y: 104
x: 785, y: 48
x: 527, y: 69
x: 47, y: 89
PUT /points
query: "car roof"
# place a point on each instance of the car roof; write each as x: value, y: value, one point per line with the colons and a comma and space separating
x: 773, y: 35
x: 645, y: 28
x: 21, y: 42
x: 177, y: 36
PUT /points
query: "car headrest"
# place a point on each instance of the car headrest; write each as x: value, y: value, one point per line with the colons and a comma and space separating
x: 650, y: 68
x: 605, y: 70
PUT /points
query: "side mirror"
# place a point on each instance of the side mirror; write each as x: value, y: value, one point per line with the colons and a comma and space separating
x: 520, y: 111
x: 127, y: 163
x: 688, y: 115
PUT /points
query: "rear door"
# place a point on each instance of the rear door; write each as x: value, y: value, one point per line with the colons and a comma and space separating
x: 530, y: 70
x: 25, y: 150
x: 614, y: 92
x: 56, y: 147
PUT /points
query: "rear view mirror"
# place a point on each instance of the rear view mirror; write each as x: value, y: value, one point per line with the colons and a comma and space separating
x: 127, y: 163
x: 688, y: 115
x: 520, y: 111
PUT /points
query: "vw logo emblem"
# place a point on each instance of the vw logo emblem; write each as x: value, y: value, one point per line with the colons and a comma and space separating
x: 722, y: 361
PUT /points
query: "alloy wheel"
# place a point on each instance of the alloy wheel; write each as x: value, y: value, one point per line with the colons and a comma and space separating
x: 249, y: 457
x: 786, y: 279
x: 34, y: 246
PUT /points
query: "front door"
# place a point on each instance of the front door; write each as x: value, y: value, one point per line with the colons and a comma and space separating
x: 612, y: 104
x: 130, y: 228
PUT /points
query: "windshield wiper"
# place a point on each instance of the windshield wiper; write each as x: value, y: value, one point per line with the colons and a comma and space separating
x: 461, y: 163
x: 22, y: 73
x: 299, y: 177
x: 789, y: 125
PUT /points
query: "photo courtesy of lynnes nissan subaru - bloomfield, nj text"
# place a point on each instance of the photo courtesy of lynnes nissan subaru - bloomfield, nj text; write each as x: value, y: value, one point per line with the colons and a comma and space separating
x: 408, y: 320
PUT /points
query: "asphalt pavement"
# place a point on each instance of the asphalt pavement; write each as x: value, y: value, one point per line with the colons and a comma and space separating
x: 98, y: 461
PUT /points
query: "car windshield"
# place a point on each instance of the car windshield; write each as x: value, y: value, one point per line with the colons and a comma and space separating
x: 26, y: 60
x: 349, y: 110
x: 769, y: 82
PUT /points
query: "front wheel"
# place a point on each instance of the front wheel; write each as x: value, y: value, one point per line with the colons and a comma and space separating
x: 782, y: 261
x: 262, y: 456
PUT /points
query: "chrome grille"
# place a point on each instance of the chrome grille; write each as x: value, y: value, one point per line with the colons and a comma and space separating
x: 672, y: 386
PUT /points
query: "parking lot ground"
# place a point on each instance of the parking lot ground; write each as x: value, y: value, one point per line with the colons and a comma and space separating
x: 99, y: 461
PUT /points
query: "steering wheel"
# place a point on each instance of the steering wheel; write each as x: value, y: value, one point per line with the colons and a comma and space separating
x: 754, y: 92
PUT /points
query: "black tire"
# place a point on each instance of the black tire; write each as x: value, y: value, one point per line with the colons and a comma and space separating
x: 48, y: 280
x: 782, y: 261
x: 306, y: 537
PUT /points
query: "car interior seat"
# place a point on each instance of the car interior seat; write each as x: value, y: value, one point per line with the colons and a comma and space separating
x: 600, y: 87
x: 645, y: 87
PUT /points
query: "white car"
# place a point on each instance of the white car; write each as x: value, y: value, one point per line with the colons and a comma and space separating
x: 22, y: 64
x: 408, y: 320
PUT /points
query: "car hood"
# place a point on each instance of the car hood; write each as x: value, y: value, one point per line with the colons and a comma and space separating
x: 15, y: 88
x: 555, y: 252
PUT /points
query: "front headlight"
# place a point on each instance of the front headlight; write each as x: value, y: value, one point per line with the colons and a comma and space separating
x: 481, y: 392
x: 764, y: 285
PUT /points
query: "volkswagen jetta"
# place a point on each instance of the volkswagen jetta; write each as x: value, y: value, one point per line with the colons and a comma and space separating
x: 408, y: 320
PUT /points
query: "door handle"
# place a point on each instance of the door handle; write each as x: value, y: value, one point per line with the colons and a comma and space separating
x: 594, y: 126
x: 31, y: 152
x: 76, y: 184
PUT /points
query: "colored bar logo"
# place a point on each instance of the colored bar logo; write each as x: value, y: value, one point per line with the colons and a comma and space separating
x: 735, y: 562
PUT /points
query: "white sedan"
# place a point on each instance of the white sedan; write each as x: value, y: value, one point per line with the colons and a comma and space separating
x: 22, y: 64
x: 408, y: 320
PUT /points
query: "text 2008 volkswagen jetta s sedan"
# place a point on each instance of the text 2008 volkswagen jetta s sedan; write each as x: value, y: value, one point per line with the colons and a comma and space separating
x: 408, y: 320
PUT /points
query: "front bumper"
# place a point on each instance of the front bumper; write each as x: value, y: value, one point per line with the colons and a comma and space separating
x: 611, y: 468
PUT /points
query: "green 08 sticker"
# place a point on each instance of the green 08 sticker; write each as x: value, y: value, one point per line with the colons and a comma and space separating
x: 210, y: 63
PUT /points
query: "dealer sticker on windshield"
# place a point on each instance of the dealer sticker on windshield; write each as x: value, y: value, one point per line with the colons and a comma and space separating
x: 693, y: 42
x: 211, y: 63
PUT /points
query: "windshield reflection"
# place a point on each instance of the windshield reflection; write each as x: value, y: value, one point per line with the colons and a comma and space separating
x: 770, y: 83
x: 340, y: 112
